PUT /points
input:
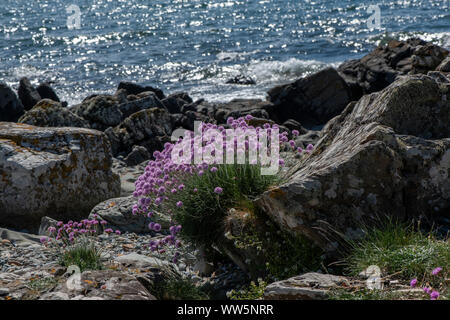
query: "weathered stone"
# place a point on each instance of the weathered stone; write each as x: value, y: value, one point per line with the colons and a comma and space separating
x: 137, y: 155
x: 28, y: 94
x: 49, y: 113
x: 241, y: 80
x: 311, y: 100
x: 18, y: 237
x: 149, y: 128
x: 11, y: 107
x: 444, y: 66
x: 118, y: 213
x: 387, y: 155
x: 57, y: 172
x: 309, y: 286
x: 101, y: 285
x: 381, y: 67
x: 46, y: 222
x: 146, y: 100
x: 101, y: 111
x: 153, y: 272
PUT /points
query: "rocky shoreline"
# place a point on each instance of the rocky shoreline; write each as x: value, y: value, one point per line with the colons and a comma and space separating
x: 381, y: 130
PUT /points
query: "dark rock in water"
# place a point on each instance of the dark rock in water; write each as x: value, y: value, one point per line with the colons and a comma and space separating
x: 133, y: 88
x: 444, y: 66
x: 137, y: 155
x: 28, y: 94
x: 311, y: 100
x: 150, y: 128
x: 11, y: 107
x: 57, y: 172
x: 381, y: 67
x: 242, y: 80
x: 387, y: 155
x: 47, y: 92
x: 49, y: 113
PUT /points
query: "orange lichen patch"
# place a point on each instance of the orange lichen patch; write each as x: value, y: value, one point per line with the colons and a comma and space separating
x: 276, y: 193
x: 112, y: 204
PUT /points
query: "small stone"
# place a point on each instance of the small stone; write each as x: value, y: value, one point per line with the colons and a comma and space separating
x: 4, y: 292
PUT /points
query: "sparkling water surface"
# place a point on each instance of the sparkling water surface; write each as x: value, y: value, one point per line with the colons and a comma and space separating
x: 196, y: 45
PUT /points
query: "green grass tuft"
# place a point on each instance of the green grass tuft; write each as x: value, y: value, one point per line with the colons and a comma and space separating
x: 84, y: 255
x: 203, y: 212
x: 399, y: 249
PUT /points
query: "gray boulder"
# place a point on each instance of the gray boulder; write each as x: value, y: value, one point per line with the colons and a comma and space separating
x: 101, y: 111
x: 137, y: 155
x: 135, y: 89
x: 444, y: 66
x: 11, y: 107
x: 241, y: 107
x: 387, y: 155
x: 381, y: 67
x: 47, y: 92
x: 309, y: 286
x: 57, y: 172
x: 104, y: 111
x: 118, y: 214
x: 101, y: 285
x: 49, y: 113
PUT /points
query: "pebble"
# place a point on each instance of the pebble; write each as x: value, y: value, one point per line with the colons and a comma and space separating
x: 4, y: 292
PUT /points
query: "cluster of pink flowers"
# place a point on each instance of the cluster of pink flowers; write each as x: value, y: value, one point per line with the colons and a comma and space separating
x: 67, y: 233
x: 434, y: 294
x: 163, y: 177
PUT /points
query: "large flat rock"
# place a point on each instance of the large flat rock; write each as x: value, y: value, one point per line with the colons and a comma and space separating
x: 387, y: 155
x: 57, y: 172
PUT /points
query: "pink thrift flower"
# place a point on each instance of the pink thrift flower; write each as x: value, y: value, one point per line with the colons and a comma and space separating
x: 218, y: 190
x: 434, y: 295
x: 436, y: 271
x: 413, y: 283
